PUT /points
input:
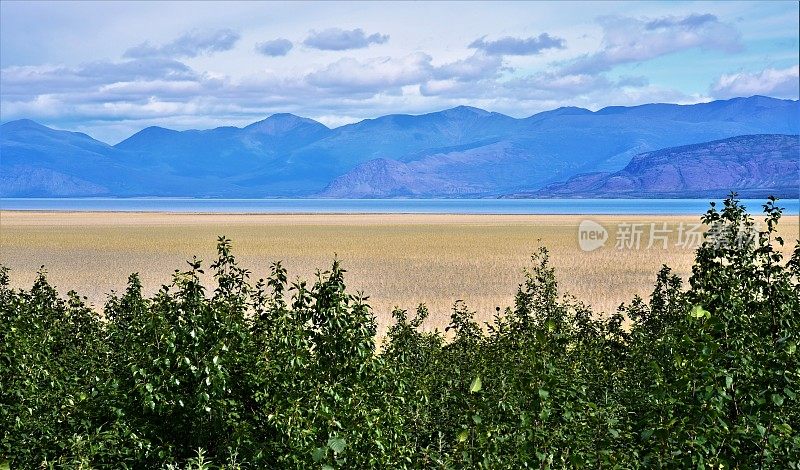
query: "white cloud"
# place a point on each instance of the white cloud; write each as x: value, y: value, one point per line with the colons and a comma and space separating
x: 628, y: 40
x: 516, y: 46
x: 782, y: 83
x: 542, y: 87
x: 373, y: 75
x: 275, y: 47
x: 191, y: 44
x: 336, y: 39
x: 32, y: 80
x: 388, y: 75
x: 478, y: 66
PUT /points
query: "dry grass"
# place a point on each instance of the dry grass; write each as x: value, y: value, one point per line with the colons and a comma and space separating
x: 396, y: 259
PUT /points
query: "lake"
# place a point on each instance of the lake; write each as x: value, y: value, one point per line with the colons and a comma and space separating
x: 392, y: 206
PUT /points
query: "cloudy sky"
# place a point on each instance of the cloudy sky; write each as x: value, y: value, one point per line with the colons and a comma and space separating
x: 111, y: 69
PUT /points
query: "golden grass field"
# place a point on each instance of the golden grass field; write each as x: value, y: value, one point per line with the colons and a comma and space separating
x: 398, y: 259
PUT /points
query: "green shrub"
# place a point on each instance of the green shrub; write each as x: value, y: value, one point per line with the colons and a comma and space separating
x: 269, y: 374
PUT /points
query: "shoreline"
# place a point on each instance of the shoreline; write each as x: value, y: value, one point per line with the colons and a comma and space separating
x: 384, y: 207
x: 65, y: 219
x: 228, y: 213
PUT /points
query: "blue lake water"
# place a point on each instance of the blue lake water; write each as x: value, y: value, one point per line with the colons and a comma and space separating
x: 392, y: 206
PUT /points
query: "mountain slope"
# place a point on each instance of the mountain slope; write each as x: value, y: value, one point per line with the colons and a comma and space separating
x: 39, y: 161
x: 224, y: 151
x: 753, y: 165
x: 402, y: 136
x: 474, y: 172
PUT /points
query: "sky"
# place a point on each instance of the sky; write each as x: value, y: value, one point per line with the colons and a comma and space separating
x: 111, y: 69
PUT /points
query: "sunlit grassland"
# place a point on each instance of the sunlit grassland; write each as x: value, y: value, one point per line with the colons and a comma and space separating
x: 398, y: 260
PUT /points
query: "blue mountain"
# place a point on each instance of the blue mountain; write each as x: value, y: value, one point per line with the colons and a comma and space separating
x: 38, y: 161
x: 755, y: 166
x: 457, y: 152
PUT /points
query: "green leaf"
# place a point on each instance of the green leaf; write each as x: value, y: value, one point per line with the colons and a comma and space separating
x: 337, y: 444
x: 476, y: 385
x: 784, y: 428
x: 319, y: 453
x: 777, y: 399
x: 699, y: 312
x: 543, y: 394
x: 476, y: 419
x: 463, y: 435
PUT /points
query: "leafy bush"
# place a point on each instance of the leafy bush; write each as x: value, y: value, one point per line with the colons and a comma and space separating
x: 269, y: 374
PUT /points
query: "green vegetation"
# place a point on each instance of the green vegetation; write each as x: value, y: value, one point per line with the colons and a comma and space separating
x: 274, y: 374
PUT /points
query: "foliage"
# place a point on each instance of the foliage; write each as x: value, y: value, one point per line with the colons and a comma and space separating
x: 273, y: 374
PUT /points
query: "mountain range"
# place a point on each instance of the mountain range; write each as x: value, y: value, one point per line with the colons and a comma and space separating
x: 459, y: 152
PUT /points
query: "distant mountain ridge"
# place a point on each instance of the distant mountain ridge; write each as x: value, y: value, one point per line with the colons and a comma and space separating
x: 459, y: 152
x: 752, y: 165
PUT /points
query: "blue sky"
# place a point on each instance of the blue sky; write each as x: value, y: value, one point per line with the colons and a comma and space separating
x: 113, y: 68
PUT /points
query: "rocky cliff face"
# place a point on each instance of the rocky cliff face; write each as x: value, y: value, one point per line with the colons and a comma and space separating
x: 756, y: 165
x: 384, y: 178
